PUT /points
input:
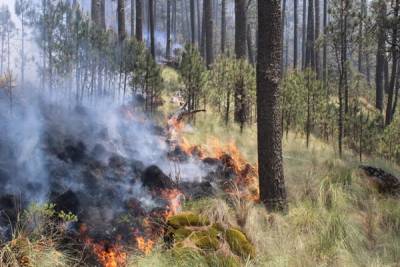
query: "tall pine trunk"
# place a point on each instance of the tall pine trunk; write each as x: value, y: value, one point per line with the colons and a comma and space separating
x: 325, y: 48
x: 295, y: 32
x: 208, y: 15
x: 394, y: 71
x: 304, y: 36
x: 380, y: 56
x: 271, y: 177
x: 152, y: 25
x: 168, y: 48
x: 121, y: 20
x: 132, y: 18
x: 240, y: 52
x: 316, y: 47
x: 139, y: 20
x: 310, y: 51
x: 192, y: 22
x: 223, y: 26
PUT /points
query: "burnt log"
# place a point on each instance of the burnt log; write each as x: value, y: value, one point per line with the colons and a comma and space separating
x: 384, y: 181
x: 154, y: 179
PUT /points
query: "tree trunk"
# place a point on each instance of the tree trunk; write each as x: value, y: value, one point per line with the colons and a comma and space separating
x: 240, y: 29
x: 192, y: 22
x: 209, y: 32
x: 394, y: 72
x: 284, y: 28
x: 132, y: 18
x: 95, y: 11
x: 271, y: 178
x: 310, y: 52
x: 361, y: 37
x: 325, y: 48
x: 198, y: 22
x: 223, y: 26
x: 250, y: 45
x: 203, y: 31
x: 316, y: 48
x: 240, y: 52
x: 304, y: 36
x: 380, y: 57
x: 139, y: 20
x: 295, y: 32
x: 168, y: 48
x: 103, y: 14
x: 121, y: 20
x: 152, y: 24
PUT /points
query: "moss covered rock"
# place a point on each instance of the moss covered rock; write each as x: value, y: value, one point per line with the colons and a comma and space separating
x: 181, y: 234
x: 206, y: 239
x: 187, y: 219
x: 239, y: 243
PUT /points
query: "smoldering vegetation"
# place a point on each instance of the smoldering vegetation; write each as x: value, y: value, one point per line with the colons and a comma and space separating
x: 98, y: 162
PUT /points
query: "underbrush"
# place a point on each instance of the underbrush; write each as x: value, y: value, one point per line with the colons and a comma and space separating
x: 335, y: 217
x: 37, y: 238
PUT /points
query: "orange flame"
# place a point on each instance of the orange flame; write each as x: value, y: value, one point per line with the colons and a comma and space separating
x: 173, y: 197
x: 144, y: 246
x: 108, y: 256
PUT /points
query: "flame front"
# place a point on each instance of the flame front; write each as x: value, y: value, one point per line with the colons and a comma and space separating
x: 108, y: 256
x: 145, y: 246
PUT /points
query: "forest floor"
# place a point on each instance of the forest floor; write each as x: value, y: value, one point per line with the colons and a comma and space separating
x: 335, y: 217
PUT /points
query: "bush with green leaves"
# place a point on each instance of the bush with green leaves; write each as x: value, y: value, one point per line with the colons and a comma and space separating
x: 225, y: 75
x: 193, y: 76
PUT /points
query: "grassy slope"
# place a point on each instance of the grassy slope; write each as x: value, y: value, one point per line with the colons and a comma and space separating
x: 335, y: 218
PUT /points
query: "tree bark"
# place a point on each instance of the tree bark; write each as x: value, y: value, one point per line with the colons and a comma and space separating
x: 310, y: 52
x: 152, y: 24
x: 121, y: 20
x: 223, y: 26
x: 325, y: 48
x: 240, y: 29
x: 139, y: 20
x: 95, y: 11
x: 394, y: 72
x: 198, y: 22
x: 250, y: 45
x: 103, y: 14
x: 208, y: 15
x: 240, y: 52
x: 203, y: 31
x: 192, y: 22
x: 132, y: 18
x: 284, y: 28
x: 380, y: 56
x: 168, y: 48
x: 271, y: 177
x: 295, y: 32
x: 304, y: 36
x: 316, y: 48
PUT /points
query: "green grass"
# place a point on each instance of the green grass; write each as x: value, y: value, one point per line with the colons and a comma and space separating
x: 334, y: 218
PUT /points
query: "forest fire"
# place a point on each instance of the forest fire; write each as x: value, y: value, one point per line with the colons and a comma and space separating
x: 246, y: 175
x: 145, y: 246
